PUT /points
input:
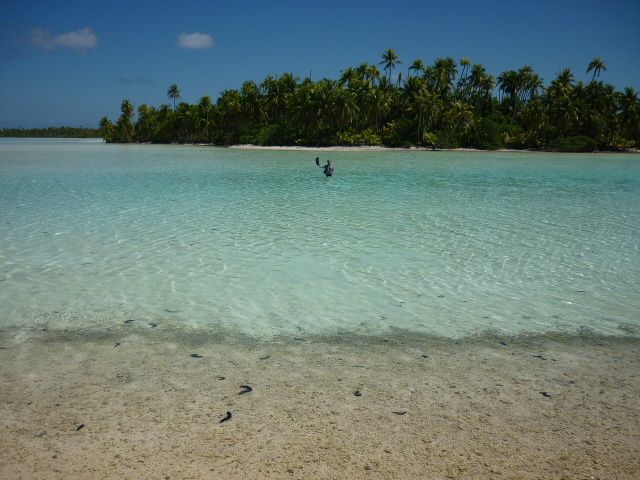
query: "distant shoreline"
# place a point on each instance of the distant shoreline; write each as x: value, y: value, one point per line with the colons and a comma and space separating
x: 361, y: 148
x: 340, y: 148
x: 376, y: 148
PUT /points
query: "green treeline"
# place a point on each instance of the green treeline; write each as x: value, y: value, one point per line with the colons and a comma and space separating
x: 448, y: 104
x: 52, y: 132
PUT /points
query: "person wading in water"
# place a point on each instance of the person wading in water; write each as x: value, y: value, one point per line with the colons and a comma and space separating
x: 328, y: 168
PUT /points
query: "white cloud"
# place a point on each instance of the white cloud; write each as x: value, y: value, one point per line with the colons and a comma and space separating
x: 84, y: 39
x: 195, y: 40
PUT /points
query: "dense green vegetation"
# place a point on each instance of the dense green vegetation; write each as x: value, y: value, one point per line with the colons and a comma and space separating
x: 448, y: 104
x: 52, y: 132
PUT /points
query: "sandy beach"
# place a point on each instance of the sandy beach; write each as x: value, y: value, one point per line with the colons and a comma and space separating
x: 371, y: 148
x: 133, y: 402
x: 150, y: 292
x: 360, y: 148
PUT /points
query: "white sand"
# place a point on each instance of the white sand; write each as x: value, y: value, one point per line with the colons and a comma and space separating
x: 361, y: 148
x: 473, y: 408
x: 371, y: 148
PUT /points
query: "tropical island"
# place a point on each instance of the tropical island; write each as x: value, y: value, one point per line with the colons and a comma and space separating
x: 52, y: 132
x: 446, y: 105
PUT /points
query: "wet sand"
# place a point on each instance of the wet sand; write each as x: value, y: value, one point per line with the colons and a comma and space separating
x: 133, y: 403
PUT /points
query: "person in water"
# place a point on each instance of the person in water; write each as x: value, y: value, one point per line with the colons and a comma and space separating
x: 328, y: 169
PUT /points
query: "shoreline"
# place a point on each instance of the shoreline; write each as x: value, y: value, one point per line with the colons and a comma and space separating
x: 338, y: 148
x: 364, y: 148
x: 361, y: 148
x: 12, y: 335
x: 135, y: 403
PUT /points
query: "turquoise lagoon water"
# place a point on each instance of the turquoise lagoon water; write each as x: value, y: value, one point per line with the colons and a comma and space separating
x: 261, y: 242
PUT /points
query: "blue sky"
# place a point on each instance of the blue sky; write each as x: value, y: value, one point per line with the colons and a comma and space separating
x: 71, y: 62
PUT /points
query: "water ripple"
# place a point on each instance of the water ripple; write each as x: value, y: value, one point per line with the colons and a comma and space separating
x: 259, y: 241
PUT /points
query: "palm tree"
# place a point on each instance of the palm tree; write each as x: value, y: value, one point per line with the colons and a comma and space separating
x: 596, y: 65
x: 229, y: 106
x: 173, y: 93
x: 349, y: 77
x: 417, y: 66
x: 562, y: 85
x: 601, y: 102
x: 380, y: 106
x: 147, y: 123
x: 459, y: 116
x: 520, y: 87
x: 530, y: 81
x: 276, y: 93
x: 444, y: 71
x: 252, y: 102
x: 507, y: 84
x: 188, y: 122
x: 464, y: 63
x: 629, y: 106
x: 372, y: 74
x: 423, y: 103
x: 479, y: 86
x: 349, y: 107
x: 126, y: 128
x: 389, y: 59
x: 361, y: 71
x: 205, y: 110
x: 106, y: 128
x: 479, y: 80
x: 561, y: 108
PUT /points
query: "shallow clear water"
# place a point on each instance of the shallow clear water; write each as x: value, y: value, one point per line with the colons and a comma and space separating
x: 260, y: 241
